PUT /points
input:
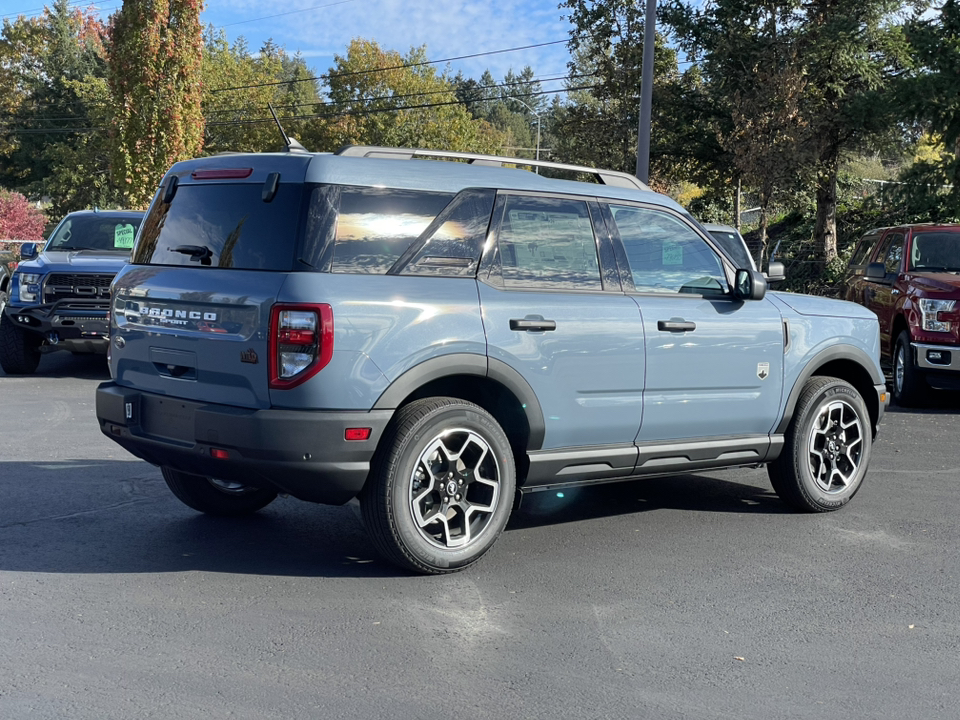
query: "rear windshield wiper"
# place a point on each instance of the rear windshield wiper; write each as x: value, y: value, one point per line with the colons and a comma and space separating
x: 196, y: 252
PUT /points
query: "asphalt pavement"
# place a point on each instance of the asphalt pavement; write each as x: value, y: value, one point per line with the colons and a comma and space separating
x: 700, y: 596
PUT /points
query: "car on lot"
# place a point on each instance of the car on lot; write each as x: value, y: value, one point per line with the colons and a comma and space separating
x: 910, y: 277
x: 433, y: 337
x: 59, y: 296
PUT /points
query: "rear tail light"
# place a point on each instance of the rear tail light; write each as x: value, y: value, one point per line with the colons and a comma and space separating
x: 301, y: 343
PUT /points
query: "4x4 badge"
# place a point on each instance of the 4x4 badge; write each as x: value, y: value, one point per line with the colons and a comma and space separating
x: 249, y: 356
x: 763, y: 370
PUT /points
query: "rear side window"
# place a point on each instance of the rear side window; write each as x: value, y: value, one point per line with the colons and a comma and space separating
x: 863, y: 250
x: 375, y: 226
x: 224, y: 226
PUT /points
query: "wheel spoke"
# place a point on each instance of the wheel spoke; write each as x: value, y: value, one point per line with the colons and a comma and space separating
x: 835, y: 446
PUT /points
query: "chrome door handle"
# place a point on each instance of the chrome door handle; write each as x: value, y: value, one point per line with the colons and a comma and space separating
x: 676, y: 325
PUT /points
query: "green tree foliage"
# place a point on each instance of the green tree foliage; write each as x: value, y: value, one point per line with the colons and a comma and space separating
x: 156, y: 56
x: 599, y: 126
x: 380, y: 97
x: 238, y: 87
x: 54, y: 101
x: 931, y: 189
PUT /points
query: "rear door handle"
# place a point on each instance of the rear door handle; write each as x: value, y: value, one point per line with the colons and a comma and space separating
x: 676, y: 325
x: 532, y: 324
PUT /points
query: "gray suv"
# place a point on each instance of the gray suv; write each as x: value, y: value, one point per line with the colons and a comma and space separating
x: 434, y: 337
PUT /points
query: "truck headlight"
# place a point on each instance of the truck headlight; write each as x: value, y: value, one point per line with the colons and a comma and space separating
x: 29, y: 286
x: 929, y: 309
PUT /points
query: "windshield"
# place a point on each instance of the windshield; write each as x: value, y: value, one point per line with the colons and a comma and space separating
x: 110, y: 233
x: 935, y: 252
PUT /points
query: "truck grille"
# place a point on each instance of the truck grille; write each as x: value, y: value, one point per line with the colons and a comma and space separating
x: 61, y: 286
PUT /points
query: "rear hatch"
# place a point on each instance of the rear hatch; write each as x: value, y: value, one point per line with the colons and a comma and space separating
x: 191, y: 314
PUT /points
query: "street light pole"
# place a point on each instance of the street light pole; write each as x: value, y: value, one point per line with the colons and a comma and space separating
x: 646, y: 93
x: 538, y: 124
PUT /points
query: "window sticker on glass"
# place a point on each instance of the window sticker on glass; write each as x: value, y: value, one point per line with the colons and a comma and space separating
x: 123, y: 237
x: 672, y: 253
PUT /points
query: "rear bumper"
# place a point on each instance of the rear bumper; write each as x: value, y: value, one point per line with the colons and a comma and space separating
x: 302, y: 453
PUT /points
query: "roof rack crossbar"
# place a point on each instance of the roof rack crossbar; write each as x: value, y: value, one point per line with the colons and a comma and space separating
x: 613, y: 178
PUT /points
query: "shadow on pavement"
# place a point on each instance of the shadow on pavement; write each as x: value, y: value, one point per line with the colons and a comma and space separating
x: 108, y: 516
x: 61, y: 364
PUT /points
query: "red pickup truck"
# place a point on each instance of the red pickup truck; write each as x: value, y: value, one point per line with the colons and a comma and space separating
x: 910, y: 277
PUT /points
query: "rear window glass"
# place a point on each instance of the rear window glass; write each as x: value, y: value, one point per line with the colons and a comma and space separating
x: 95, y: 232
x: 376, y: 226
x: 223, y: 225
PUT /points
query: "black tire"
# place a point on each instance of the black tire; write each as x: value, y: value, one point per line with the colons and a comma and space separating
x: 4, y: 299
x: 403, y: 497
x: 215, y: 497
x: 910, y: 388
x: 19, y: 348
x: 831, y: 435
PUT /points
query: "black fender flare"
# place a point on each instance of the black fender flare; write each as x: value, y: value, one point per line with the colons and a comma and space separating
x: 468, y: 364
x: 827, y: 355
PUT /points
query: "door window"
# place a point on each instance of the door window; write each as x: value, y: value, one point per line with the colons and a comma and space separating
x: 548, y: 243
x: 894, y: 255
x: 666, y: 255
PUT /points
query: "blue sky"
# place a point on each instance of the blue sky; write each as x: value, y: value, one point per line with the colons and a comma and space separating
x: 449, y: 28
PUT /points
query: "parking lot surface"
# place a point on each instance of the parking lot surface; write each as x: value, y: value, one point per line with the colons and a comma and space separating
x: 693, y: 597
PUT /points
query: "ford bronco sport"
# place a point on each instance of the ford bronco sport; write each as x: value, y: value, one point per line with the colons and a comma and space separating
x: 433, y: 337
x: 59, y: 297
x: 910, y: 277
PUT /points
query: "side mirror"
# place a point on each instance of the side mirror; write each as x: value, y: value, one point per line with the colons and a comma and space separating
x: 749, y: 285
x: 876, y: 271
x: 28, y: 251
x: 776, y: 272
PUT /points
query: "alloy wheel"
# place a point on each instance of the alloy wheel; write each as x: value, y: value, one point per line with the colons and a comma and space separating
x: 836, y: 446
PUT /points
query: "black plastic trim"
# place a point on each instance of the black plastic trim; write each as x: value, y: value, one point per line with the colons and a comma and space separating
x: 467, y: 364
x: 837, y: 352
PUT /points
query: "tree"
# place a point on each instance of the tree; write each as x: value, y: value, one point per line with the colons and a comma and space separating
x: 380, y: 97
x: 53, y: 72
x: 20, y: 219
x: 599, y: 126
x: 156, y: 55
x: 238, y: 88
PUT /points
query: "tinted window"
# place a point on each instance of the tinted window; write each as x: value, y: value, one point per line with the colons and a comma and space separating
x: 376, y: 226
x: 894, y: 254
x: 733, y: 244
x: 936, y: 251
x: 232, y: 222
x: 548, y: 243
x: 455, y: 240
x: 666, y: 255
x: 863, y: 250
x: 95, y: 232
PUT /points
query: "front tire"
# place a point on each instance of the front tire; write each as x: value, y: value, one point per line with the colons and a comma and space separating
x: 442, y: 486
x: 827, y: 448
x: 910, y: 388
x: 19, y: 348
x: 214, y: 496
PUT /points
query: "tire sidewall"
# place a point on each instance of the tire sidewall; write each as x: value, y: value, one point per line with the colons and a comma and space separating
x: 808, y: 484
x: 406, y: 455
x: 909, y: 393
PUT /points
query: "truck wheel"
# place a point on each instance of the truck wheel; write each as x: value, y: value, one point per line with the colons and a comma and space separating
x: 216, y: 497
x: 442, y: 486
x: 826, y: 450
x: 19, y: 348
x: 910, y: 388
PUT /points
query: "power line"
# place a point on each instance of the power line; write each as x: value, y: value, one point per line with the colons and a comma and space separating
x: 289, y: 12
x: 328, y: 76
x: 36, y: 12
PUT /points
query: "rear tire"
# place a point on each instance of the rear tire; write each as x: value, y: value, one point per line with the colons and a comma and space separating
x: 19, y: 348
x: 441, y: 488
x: 910, y: 388
x: 216, y: 497
x: 827, y: 448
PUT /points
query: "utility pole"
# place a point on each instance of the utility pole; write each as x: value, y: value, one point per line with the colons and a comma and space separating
x: 646, y: 93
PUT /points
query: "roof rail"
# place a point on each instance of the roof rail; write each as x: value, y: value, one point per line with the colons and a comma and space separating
x: 613, y: 178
